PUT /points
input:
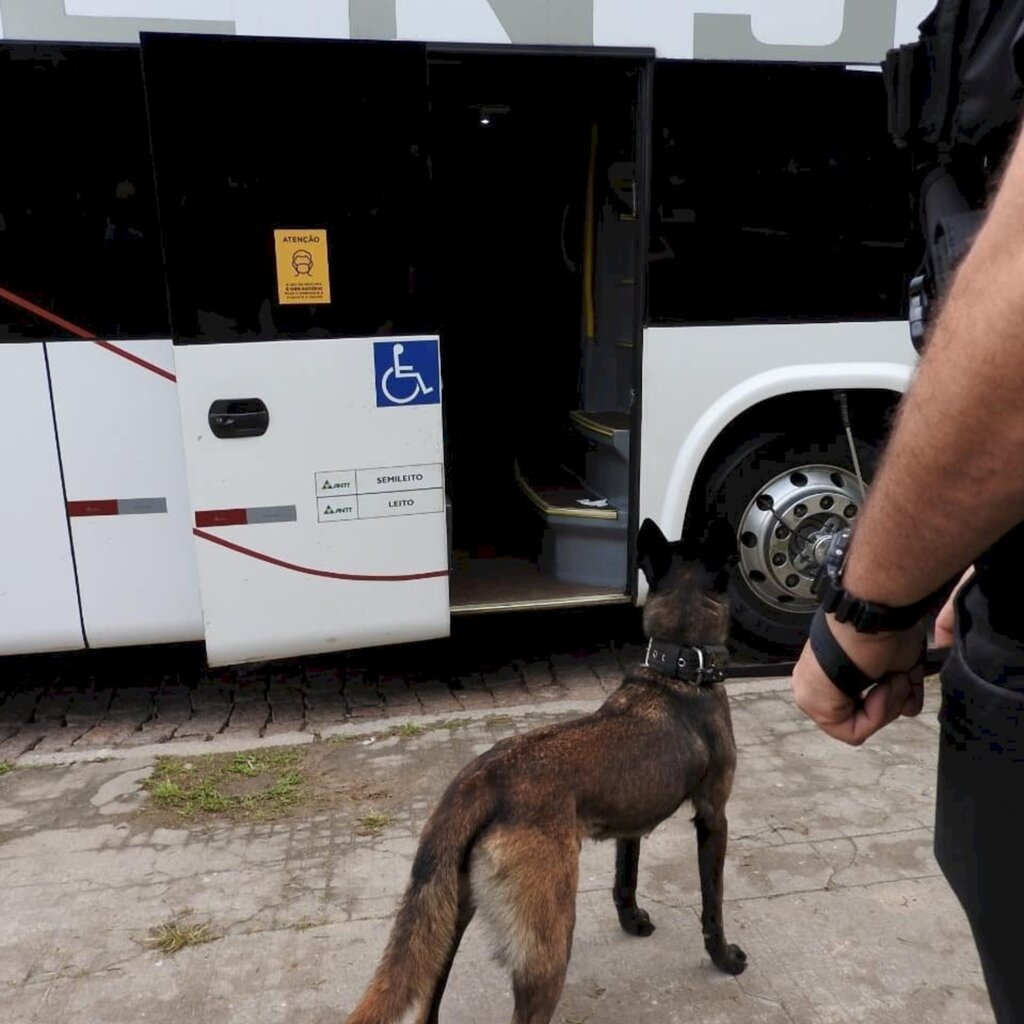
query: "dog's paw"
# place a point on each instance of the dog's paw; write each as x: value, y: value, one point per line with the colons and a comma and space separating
x: 731, y: 959
x: 636, y: 921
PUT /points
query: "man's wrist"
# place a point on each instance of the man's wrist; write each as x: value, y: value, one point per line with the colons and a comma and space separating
x: 849, y: 636
x: 847, y: 657
x: 862, y: 577
x: 848, y: 604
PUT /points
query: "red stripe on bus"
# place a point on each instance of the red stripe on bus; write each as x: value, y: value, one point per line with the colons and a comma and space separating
x: 137, y: 360
x: 317, y: 572
x: 222, y: 517
x: 45, y: 314
x: 81, y: 332
x: 93, y: 508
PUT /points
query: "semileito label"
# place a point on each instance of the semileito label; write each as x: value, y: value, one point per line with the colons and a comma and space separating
x: 399, y: 478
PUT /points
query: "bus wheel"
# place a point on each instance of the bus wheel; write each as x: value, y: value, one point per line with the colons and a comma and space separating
x: 785, y: 500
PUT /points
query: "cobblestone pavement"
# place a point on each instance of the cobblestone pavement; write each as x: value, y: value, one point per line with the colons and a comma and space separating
x: 83, y: 704
x: 831, y: 887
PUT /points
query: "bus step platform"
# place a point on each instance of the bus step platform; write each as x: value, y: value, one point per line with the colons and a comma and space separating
x: 586, y: 539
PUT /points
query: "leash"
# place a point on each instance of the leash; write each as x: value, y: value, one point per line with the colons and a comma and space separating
x: 707, y: 665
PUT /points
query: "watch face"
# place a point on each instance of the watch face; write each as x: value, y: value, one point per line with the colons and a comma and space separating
x: 830, y: 569
x: 836, y: 558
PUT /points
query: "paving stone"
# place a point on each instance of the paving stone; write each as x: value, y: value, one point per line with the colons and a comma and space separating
x: 202, y: 723
x: 542, y: 682
x: 16, y: 708
x: 107, y: 733
x: 507, y: 686
x: 250, y: 716
x: 25, y: 739
x: 474, y: 700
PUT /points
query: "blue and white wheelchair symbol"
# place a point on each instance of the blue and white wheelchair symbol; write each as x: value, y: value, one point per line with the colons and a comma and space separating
x: 407, y: 373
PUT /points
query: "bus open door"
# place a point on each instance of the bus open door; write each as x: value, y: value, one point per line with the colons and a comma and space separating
x: 291, y: 180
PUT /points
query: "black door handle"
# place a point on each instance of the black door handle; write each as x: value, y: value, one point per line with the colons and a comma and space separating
x: 239, y: 417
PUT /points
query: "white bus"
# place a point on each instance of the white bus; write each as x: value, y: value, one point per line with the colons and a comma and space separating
x: 321, y: 323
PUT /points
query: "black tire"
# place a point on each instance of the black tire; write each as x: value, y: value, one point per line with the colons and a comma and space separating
x: 760, y: 629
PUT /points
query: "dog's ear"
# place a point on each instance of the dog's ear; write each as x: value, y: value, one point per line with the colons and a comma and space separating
x: 653, y: 552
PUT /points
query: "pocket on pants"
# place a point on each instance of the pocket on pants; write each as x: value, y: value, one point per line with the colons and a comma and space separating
x: 980, y: 784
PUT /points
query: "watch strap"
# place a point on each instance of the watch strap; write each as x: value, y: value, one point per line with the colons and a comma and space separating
x: 834, y: 661
x: 868, y: 617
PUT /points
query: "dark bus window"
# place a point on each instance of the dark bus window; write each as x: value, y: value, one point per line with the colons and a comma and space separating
x: 78, y: 222
x: 776, y: 195
x: 253, y: 135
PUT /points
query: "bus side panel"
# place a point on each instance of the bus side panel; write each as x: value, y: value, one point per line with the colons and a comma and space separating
x: 697, y: 380
x: 124, y: 469
x: 38, y: 602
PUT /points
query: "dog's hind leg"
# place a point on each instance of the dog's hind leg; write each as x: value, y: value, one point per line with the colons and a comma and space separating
x: 712, y: 838
x: 524, y: 880
x: 538, y: 978
x: 466, y: 912
x: 634, y: 920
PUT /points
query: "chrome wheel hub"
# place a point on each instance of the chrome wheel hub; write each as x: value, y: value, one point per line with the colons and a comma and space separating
x: 785, y: 531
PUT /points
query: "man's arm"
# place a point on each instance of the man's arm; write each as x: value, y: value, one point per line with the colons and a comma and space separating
x: 951, y: 480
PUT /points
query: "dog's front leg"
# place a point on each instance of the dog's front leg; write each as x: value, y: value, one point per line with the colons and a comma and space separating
x: 633, y: 919
x: 712, y: 837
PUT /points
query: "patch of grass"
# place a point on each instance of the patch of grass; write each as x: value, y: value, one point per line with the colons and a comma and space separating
x: 6, y: 766
x: 343, y: 741
x: 253, y: 763
x: 452, y: 724
x: 416, y: 729
x: 499, y: 720
x: 408, y: 729
x: 305, y: 923
x: 250, y: 785
x: 373, y: 823
x: 178, y: 934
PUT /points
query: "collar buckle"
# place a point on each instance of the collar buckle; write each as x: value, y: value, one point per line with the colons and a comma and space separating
x: 677, y: 662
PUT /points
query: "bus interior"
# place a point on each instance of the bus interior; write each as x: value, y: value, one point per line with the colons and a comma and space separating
x: 537, y: 255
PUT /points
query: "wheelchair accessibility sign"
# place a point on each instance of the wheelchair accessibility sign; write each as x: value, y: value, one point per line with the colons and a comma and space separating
x: 407, y: 373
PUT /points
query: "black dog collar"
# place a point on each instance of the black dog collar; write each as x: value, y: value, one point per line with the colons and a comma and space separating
x: 700, y: 665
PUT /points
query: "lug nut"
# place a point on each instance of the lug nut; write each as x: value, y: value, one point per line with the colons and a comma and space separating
x: 792, y: 580
x: 850, y: 511
x: 827, y: 502
x: 781, y: 532
x: 778, y: 558
x: 800, y: 511
x: 748, y: 540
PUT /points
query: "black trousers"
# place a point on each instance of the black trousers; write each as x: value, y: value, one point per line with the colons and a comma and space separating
x: 979, y: 820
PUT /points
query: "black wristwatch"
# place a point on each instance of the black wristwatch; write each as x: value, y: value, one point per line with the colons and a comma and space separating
x: 864, y: 616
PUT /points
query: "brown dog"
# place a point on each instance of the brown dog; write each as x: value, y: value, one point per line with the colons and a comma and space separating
x: 506, y: 835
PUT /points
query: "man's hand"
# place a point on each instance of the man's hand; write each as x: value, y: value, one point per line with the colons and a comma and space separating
x: 895, y: 658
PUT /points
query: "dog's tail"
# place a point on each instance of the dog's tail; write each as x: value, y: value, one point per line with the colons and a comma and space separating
x: 424, y: 931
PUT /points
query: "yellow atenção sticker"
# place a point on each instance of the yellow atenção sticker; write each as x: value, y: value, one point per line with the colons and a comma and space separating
x: 303, y: 276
